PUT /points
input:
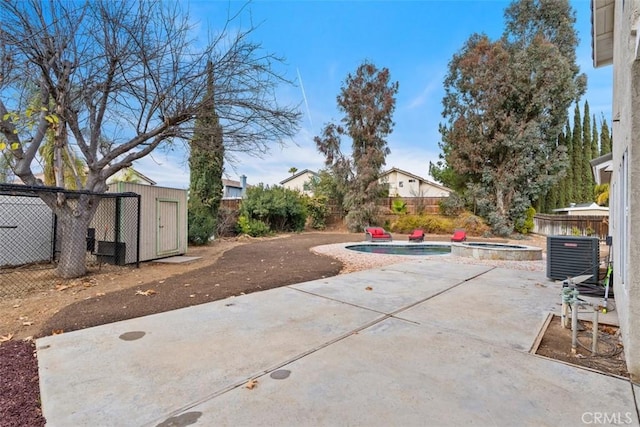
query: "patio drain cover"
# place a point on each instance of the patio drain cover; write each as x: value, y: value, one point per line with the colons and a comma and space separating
x: 280, y: 374
x: 132, y: 336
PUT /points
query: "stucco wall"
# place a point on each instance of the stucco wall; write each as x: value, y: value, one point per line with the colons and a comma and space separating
x: 297, y: 183
x: 407, y: 186
x: 625, y: 184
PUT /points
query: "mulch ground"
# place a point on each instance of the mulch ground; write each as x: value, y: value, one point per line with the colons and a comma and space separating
x: 257, y: 266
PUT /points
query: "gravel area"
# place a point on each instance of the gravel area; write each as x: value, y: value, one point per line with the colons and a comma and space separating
x: 357, y: 261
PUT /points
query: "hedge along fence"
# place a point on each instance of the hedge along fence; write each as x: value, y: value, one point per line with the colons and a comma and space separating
x: 571, y: 225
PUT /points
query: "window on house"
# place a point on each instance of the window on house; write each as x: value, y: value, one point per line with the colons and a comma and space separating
x: 412, y: 180
x: 400, y: 184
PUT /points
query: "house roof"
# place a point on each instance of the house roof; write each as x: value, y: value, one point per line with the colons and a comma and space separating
x: 302, y: 172
x: 602, y: 17
x: 582, y: 207
x: 602, y: 168
x: 231, y: 183
x: 138, y: 174
x: 435, y: 184
x: 17, y: 181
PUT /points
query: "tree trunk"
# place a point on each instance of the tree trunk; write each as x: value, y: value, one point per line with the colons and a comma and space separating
x: 73, y: 220
x: 500, y: 201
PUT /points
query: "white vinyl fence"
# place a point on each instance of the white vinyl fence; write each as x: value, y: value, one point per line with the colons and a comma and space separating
x: 26, y: 231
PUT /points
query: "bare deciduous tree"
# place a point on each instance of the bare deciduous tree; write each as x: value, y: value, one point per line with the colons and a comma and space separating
x: 122, y: 78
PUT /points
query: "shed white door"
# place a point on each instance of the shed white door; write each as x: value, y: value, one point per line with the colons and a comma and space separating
x: 167, y: 223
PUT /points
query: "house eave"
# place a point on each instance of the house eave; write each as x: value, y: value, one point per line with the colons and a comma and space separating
x: 602, y: 20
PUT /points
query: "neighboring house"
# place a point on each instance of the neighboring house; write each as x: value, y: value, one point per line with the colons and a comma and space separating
x: 583, y: 209
x: 616, y: 40
x: 234, y: 189
x: 301, y: 182
x: 17, y: 181
x: 130, y: 175
x: 405, y: 184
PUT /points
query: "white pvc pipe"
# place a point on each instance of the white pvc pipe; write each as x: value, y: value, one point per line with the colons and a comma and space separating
x: 594, y: 331
x: 574, y: 327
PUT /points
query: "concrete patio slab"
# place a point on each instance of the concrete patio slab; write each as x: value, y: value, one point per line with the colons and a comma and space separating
x: 400, y: 374
x: 503, y: 307
x: 130, y: 372
x: 320, y: 358
x: 391, y: 288
x: 435, y: 268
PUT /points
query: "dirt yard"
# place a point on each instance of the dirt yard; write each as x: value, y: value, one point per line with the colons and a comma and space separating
x: 226, y: 268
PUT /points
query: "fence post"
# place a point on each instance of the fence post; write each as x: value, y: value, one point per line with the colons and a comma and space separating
x: 138, y: 234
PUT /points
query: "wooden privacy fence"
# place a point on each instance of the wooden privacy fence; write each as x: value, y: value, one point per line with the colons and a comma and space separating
x: 231, y: 204
x: 415, y: 205
x: 571, y: 225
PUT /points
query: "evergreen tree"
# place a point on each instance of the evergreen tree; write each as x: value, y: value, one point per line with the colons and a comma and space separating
x: 587, y: 177
x: 569, y: 180
x: 605, y: 138
x: 560, y: 199
x: 576, y: 162
x: 206, y: 162
x: 595, y: 152
x: 595, y: 139
x: 367, y: 99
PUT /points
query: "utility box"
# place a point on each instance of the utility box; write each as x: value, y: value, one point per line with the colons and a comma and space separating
x: 570, y: 256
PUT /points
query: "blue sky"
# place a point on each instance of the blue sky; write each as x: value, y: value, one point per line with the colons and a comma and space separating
x: 323, y: 41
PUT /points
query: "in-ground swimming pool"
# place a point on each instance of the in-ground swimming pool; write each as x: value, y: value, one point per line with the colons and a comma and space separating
x: 413, y: 249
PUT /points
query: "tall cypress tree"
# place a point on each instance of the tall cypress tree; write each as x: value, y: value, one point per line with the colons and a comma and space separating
x: 562, y: 185
x: 605, y: 138
x: 206, y: 163
x: 576, y: 163
x: 587, y: 177
x: 595, y: 139
x: 569, y: 181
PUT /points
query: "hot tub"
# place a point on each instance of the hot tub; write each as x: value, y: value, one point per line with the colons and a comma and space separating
x: 496, y: 251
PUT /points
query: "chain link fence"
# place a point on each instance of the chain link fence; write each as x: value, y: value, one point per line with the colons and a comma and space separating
x: 33, y: 239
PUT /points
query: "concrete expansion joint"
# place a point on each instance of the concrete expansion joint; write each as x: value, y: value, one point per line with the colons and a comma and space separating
x: 256, y: 376
x: 337, y: 300
x: 635, y: 398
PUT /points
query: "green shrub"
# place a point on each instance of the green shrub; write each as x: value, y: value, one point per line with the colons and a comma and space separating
x: 451, y: 206
x: 398, y: 206
x: 201, y: 225
x: 525, y: 225
x: 472, y: 224
x: 252, y: 227
x: 279, y: 208
x: 318, y: 210
x: 432, y: 224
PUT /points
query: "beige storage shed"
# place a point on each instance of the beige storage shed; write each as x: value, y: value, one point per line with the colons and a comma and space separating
x: 163, y: 219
